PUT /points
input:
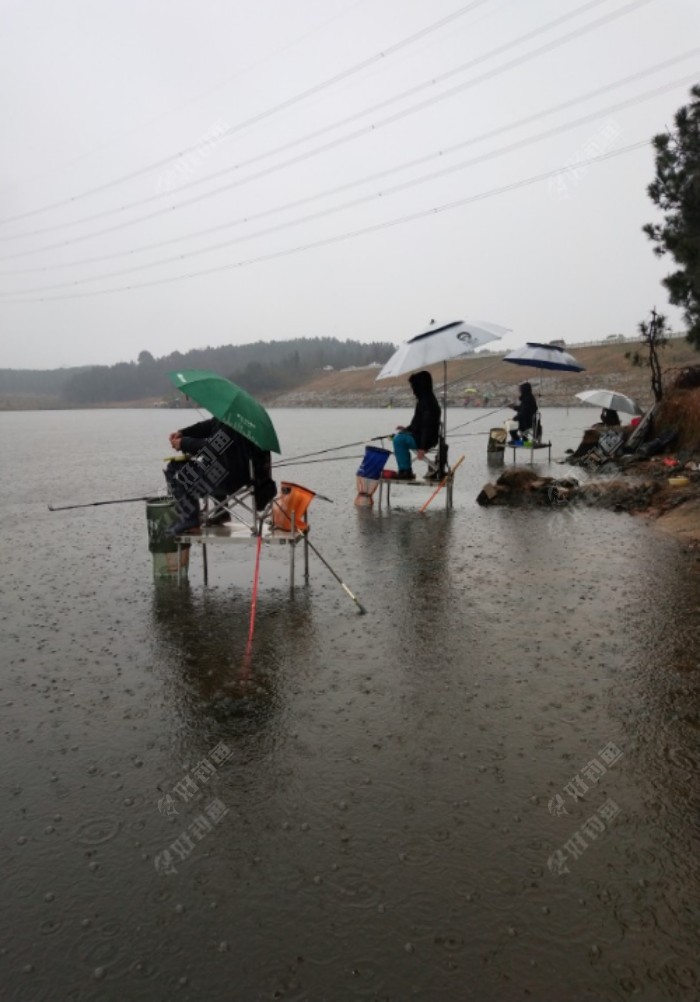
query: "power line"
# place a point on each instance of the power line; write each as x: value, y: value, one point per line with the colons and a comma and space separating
x: 353, y: 203
x: 254, y: 119
x: 405, y: 165
x: 327, y: 241
x: 198, y: 97
x: 342, y: 140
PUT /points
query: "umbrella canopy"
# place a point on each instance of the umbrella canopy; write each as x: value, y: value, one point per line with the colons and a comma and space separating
x: 610, y: 400
x: 544, y: 356
x: 441, y: 344
x: 230, y: 404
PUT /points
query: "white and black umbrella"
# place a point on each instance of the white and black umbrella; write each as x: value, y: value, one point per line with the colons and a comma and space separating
x: 610, y: 400
x: 441, y: 344
x: 544, y: 356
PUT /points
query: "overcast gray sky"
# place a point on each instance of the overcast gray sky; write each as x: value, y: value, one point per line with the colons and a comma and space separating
x: 178, y: 174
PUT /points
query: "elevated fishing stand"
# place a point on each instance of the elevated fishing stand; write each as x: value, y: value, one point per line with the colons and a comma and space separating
x: 386, y: 484
x: 439, y: 475
x: 532, y: 449
x: 245, y: 526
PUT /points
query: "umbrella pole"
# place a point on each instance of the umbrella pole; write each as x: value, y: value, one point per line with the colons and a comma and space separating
x: 444, y: 399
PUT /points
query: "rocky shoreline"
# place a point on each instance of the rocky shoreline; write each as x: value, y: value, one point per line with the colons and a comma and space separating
x: 666, y: 495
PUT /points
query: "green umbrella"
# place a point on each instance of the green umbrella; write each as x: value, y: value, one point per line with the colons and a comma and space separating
x: 230, y: 404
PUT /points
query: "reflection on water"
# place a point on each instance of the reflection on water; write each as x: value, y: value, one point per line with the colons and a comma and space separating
x: 199, y: 647
x: 387, y: 829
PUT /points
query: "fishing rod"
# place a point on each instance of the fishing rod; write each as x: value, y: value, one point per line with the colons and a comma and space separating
x: 340, y: 581
x: 254, y: 602
x: 307, y: 462
x: 469, y: 434
x: 443, y: 482
x: 335, y: 448
x: 481, y: 417
x: 93, y: 504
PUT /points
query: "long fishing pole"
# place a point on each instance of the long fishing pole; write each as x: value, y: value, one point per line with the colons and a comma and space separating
x: 469, y: 434
x: 442, y: 483
x: 340, y: 581
x: 481, y: 417
x: 307, y: 462
x: 254, y: 601
x: 334, y: 448
x: 93, y: 504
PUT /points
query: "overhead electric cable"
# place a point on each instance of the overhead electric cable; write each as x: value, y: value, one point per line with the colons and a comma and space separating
x: 372, y: 127
x: 198, y: 97
x: 352, y: 203
x: 254, y: 119
x: 93, y: 259
x: 339, y: 238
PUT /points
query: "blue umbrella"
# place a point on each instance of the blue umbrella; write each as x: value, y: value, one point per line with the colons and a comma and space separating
x: 544, y: 356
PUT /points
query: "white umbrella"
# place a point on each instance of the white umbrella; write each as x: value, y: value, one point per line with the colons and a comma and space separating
x: 441, y: 344
x: 610, y: 400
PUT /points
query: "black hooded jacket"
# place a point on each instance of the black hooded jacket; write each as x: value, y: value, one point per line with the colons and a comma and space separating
x: 425, y: 424
x: 243, y: 461
x: 526, y: 408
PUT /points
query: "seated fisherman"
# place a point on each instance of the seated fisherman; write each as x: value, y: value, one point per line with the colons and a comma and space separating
x: 524, y: 417
x: 424, y: 430
x: 221, y: 462
x: 609, y: 418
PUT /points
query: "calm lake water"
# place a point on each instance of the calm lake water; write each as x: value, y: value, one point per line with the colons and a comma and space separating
x: 485, y: 788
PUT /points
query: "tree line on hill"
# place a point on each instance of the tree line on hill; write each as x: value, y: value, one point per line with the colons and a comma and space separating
x: 262, y: 368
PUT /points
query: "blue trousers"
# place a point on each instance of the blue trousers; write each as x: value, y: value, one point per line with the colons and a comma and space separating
x: 403, y: 443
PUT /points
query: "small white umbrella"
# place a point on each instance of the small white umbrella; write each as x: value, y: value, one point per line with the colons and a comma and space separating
x: 610, y: 400
x: 441, y: 344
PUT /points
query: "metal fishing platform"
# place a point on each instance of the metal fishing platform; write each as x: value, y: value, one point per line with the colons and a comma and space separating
x: 532, y: 449
x: 243, y: 526
x: 386, y: 484
x: 237, y: 533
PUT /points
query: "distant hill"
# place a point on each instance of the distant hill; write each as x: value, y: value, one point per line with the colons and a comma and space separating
x: 485, y: 379
x: 264, y: 368
x: 32, y: 389
x: 324, y: 372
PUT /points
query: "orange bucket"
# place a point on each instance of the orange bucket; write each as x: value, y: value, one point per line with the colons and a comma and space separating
x: 292, y: 500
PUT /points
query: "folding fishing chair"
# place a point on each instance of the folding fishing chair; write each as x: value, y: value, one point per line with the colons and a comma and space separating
x: 279, y: 522
x: 436, y: 459
x: 238, y: 506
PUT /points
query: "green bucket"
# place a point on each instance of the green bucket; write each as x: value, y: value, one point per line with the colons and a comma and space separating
x: 161, y: 513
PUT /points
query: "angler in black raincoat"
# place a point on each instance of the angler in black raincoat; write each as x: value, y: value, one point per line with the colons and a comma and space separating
x: 221, y: 462
x: 424, y: 430
x: 525, y: 411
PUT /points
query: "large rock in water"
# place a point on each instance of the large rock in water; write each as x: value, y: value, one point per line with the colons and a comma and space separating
x: 518, y: 488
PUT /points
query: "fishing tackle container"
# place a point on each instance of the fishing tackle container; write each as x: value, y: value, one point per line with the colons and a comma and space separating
x: 370, y: 473
x: 293, y: 500
x: 160, y: 515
